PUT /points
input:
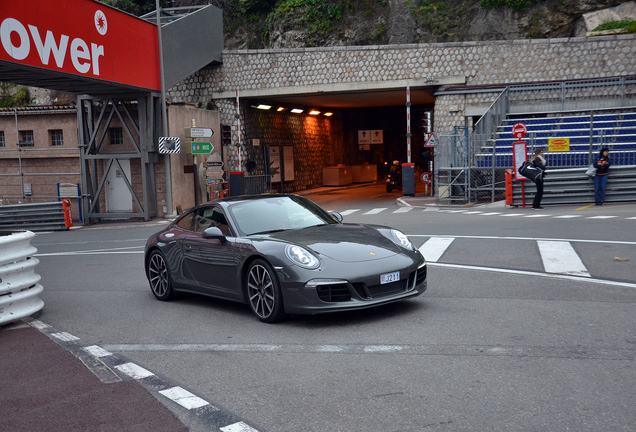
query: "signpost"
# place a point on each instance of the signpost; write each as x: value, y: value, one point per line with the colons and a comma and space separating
x: 198, y: 132
x: 200, y: 147
x: 519, y: 130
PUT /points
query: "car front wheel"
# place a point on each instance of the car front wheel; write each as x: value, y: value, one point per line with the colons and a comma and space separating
x: 159, y: 276
x: 263, y: 292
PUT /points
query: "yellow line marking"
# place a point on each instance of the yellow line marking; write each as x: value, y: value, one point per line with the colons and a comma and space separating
x: 583, y: 208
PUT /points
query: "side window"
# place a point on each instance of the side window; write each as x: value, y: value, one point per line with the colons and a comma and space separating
x: 187, y: 222
x: 211, y: 217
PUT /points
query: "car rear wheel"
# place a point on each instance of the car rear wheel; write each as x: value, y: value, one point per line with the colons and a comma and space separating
x: 159, y: 276
x: 263, y: 292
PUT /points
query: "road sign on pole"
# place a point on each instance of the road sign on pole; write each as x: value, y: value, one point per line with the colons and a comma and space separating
x: 519, y: 130
x: 198, y: 132
x: 197, y: 147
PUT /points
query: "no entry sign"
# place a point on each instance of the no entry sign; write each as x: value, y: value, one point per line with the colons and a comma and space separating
x: 519, y: 130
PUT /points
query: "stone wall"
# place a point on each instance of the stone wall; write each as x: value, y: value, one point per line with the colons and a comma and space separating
x: 481, y: 63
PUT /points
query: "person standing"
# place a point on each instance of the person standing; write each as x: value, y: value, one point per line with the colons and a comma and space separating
x: 538, y: 161
x: 602, y: 165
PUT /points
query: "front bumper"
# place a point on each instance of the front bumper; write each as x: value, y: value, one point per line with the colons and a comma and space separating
x: 353, y: 291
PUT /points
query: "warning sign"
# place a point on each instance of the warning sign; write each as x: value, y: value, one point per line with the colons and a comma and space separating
x: 431, y: 141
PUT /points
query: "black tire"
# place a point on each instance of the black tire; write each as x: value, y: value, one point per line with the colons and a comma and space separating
x: 263, y: 292
x: 389, y: 187
x: 159, y: 276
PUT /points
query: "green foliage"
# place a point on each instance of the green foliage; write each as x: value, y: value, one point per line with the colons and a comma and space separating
x: 436, y: 16
x: 12, y: 95
x: 517, y: 5
x: 630, y: 25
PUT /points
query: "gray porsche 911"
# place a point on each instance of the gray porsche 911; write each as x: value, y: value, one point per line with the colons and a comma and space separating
x: 282, y: 254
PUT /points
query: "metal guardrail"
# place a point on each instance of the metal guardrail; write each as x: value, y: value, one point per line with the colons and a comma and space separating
x: 257, y: 184
x: 19, y: 285
x: 33, y: 217
x: 572, y: 186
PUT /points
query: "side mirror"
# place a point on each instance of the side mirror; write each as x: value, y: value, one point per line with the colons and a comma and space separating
x: 337, y: 216
x: 213, y: 233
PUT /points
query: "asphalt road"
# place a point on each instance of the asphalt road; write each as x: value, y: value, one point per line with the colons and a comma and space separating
x: 495, y: 344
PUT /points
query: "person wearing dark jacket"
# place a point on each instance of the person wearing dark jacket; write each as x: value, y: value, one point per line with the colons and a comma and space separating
x: 538, y: 161
x: 602, y: 165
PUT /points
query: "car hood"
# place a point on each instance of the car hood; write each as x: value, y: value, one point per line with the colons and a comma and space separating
x: 342, y: 242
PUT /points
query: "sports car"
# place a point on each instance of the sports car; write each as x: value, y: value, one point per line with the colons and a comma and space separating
x: 282, y: 255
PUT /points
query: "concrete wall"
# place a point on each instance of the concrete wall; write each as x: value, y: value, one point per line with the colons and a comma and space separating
x: 179, y: 118
x: 271, y: 72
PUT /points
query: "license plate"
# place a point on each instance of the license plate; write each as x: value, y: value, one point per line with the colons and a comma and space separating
x: 389, y: 277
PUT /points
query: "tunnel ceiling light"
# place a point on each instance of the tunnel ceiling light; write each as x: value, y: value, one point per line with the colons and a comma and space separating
x: 296, y: 110
x: 279, y: 109
x: 328, y: 114
x: 314, y: 112
x: 264, y: 107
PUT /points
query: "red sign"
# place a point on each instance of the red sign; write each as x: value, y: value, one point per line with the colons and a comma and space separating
x: 80, y: 37
x: 519, y: 130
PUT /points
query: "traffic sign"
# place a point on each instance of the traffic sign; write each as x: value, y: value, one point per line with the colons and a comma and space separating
x: 169, y: 145
x: 519, y: 130
x: 197, y: 132
x: 431, y: 141
x: 201, y: 147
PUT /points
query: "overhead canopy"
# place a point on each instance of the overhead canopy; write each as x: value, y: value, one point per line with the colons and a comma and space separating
x: 82, y: 46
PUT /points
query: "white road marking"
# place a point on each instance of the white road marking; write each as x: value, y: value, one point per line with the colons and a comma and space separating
x: 490, y: 214
x: 375, y: 211
x: 184, y: 398
x: 538, y: 215
x: 631, y: 218
x: 39, y: 324
x: 473, y: 212
x: 512, y: 214
x: 348, y: 212
x: 453, y: 211
x: 537, y: 274
x: 560, y: 257
x: 124, y: 250
x: 97, y: 351
x: 382, y: 348
x: 530, y: 238
x: 238, y: 427
x: 567, y: 216
x: 403, y: 210
x: 601, y: 217
x: 435, y: 247
x: 64, y: 336
x: 134, y: 371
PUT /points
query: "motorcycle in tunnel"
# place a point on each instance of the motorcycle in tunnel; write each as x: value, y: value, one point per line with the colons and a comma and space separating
x: 394, y: 179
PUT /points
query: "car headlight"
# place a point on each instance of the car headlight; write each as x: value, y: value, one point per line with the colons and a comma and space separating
x: 402, y: 239
x: 302, y: 257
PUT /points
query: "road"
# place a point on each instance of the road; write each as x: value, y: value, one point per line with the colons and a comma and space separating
x: 501, y: 340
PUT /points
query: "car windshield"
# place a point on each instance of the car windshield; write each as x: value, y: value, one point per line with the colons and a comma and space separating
x: 271, y: 214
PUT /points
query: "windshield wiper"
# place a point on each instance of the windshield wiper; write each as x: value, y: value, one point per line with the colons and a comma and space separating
x: 269, y: 231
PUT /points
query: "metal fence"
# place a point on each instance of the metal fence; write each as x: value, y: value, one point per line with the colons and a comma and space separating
x: 471, y: 167
x: 258, y: 184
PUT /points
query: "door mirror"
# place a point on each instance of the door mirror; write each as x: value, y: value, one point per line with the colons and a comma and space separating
x: 337, y: 216
x: 213, y: 233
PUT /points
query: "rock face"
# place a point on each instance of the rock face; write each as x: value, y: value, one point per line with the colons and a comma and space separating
x: 376, y: 22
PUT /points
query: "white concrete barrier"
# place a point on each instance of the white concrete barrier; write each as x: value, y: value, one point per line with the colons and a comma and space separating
x: 19, y: 285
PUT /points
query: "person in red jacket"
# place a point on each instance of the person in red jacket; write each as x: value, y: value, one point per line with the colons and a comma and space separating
x: 602, y: 165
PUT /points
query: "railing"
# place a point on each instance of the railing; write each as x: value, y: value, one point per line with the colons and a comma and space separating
x: 257, y: 184
x: 19, y: 285
x: 34, y: 217
x: 581, y: 95
x: 572, y: 186
x: 472, y: 169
